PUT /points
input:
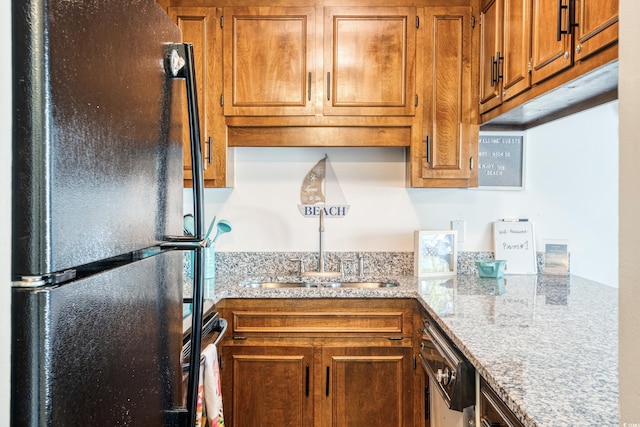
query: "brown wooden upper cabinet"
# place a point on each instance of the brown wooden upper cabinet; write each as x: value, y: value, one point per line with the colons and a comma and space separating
x: 447, y: 155
x: 369, y: 60
x: 505, y: 50
x: 560, y: 26
x: 198, y: 25
x: 361, y: 63
x: 530, y: 48
x: 268, y: 60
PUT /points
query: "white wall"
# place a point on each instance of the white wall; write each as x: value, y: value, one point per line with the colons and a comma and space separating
x: 571, y: 193
x: 5, y: 214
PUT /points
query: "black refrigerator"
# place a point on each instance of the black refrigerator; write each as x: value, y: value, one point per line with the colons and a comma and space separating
x: 98, y: 94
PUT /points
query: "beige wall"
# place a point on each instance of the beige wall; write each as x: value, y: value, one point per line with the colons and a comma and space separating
x: 629, y: 294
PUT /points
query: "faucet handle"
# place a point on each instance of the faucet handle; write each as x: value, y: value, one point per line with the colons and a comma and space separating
x: 300, y: 262
x: 342, y: 261
x: 361, y: 264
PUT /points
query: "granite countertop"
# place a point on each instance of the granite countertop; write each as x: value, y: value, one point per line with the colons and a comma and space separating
x: 547, y: 345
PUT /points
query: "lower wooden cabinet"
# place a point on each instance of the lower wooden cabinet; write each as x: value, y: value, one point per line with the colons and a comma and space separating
x: 318, y: 363
x: 366, y: 386
x: 267, y: 386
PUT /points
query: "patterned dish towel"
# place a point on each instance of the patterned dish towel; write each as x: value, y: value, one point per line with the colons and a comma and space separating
x: 210, y: 380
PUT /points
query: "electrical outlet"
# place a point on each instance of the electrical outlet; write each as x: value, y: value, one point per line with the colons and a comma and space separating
x: 459, y: 225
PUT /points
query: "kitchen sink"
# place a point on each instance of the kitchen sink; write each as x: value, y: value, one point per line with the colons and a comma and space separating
x: 279, y: 285
x: 337, y: 284
x: 366, y: 285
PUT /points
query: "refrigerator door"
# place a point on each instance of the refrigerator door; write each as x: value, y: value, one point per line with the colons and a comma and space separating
x: 104, y: 350
x: 97, y: 132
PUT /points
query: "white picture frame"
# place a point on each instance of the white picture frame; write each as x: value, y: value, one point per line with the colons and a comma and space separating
x: 435, y: 253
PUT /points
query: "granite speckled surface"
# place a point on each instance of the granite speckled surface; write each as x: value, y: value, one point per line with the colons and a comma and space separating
x: 547, y: 345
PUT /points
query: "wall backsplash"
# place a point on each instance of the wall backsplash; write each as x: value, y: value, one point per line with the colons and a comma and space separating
x: 377, y: 264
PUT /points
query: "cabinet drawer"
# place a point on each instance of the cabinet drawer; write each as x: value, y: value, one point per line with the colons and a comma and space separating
x: 388, y: 322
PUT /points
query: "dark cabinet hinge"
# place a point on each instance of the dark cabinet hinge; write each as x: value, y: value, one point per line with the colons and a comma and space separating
x: 222, y: 22
x: 415, y: 100
x: 222, y: 100
x: 417, y: 22
x: 473, y: 21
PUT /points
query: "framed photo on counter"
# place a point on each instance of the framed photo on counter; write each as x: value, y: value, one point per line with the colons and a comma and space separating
x: 435, y: 253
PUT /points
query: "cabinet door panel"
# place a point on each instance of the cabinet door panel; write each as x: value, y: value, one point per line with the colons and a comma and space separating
x: 447, y: 109
x: 267, y: 60
x: 516, y: 47
x: 490, y: 48
x: 549, y: 56
x: 370, y: 66
x: 198, y: 27
x: 597, y: 26
x: 367, y: 387
x: 271, y: 386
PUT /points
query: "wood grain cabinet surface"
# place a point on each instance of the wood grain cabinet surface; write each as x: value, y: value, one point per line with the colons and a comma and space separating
x: 199, y: 26
x: 446, y: 155
x: 318, y: 362
x: 544, y: 59
x: 361, y: 63
x: 505, y: 51
x: 561, y: 26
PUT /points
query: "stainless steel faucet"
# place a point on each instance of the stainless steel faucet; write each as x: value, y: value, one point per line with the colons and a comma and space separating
x: 320, y: 248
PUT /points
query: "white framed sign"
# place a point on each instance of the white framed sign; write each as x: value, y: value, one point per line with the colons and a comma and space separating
x: 501, y: 160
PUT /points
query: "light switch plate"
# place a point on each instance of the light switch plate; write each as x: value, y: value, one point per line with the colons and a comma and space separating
x: 459, y: 225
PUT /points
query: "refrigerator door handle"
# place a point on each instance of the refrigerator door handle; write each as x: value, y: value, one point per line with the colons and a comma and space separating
x: 184, y: 243
x: 180, y: 63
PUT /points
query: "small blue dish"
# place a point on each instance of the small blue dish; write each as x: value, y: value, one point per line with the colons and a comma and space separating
x: 490, y: 267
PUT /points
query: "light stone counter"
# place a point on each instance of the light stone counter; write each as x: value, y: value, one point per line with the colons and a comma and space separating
x: 548, y: 346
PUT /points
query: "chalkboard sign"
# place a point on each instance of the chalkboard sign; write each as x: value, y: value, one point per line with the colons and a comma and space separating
x: 514, y: 242
x: 501, y: 160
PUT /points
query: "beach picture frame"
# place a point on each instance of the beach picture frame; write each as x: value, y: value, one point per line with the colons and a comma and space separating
x: 435, y: 253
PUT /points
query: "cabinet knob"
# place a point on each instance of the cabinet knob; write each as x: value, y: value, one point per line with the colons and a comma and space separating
x: 578, y: 48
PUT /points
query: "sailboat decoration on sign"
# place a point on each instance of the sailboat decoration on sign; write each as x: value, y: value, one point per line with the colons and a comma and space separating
x: 320, y: 190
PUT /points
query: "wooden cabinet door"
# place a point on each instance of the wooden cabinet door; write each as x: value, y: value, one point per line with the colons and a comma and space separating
x: 268, y: 60
x: 267, y: 386
x: 491, y: 20
x: 597, y: 26
x: 447, y: 129
x: 369, y: 61
x: 514, y: 73
x: 198, y: 25
x: 366, y: 386
x: 551, y: 50
x: 505, y: 51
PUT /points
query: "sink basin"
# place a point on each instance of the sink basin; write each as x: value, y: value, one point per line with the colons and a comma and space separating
x: 337, y: 284
x: 279, y: 285
x: 366, y: 285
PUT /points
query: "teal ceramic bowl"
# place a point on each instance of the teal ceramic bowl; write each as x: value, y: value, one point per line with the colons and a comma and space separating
x: 490, y: 267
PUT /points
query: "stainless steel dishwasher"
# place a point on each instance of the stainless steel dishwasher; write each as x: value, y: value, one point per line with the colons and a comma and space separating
x: 451, y: 374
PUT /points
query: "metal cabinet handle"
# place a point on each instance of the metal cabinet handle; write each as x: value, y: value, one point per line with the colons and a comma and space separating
x: 570, y: 19
x: 499, y: 60
x: 327, y: 383
x: 210, y: 150
x: 493, y: 71
x: 428, y: 149
x: 306, y: 382
x: 328, y: 86
x: 309, y: 86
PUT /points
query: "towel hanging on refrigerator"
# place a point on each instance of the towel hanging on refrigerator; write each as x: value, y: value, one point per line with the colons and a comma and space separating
x: 212, y: 391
